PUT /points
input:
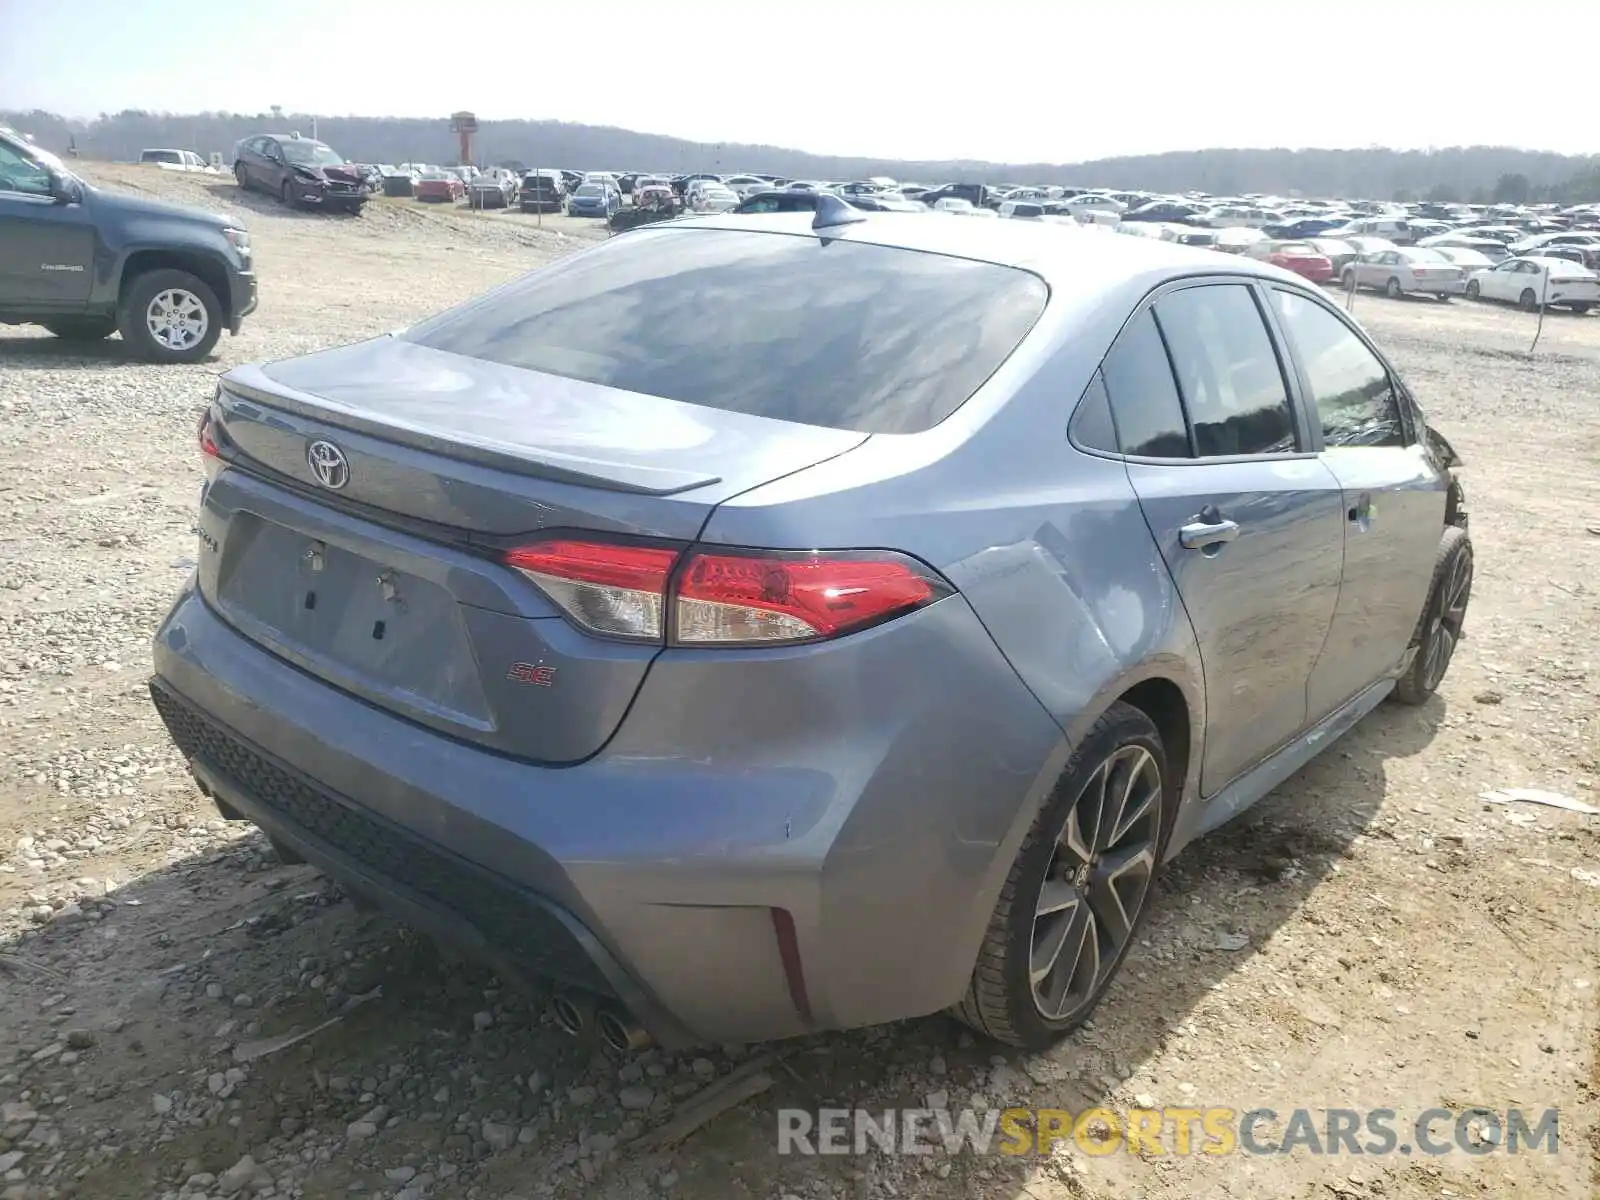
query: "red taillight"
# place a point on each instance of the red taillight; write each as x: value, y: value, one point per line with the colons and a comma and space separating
x: 210, y: 457
x: 732, y: 598
x: 725, y: 598
x: 610, y: 589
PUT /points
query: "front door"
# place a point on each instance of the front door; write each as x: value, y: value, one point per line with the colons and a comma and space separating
x: 46, y: 248
x: 1394, y: 500
x: 1249, y: 524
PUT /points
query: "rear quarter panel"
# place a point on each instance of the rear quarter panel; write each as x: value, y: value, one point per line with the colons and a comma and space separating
x: 1048, y: 544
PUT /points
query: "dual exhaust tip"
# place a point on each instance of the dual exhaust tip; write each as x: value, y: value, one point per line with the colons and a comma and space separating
x: 577, y: 1015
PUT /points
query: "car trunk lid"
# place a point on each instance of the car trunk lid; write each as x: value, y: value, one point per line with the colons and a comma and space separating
x: 384, y: 578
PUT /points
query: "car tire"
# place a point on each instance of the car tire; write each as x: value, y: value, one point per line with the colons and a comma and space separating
x: 1004, y: 1001
x: 1582, y: 309
x: 1528, y: 301
x: 1473, y: 290
x: 82, y: 329
x: 1347, y: 280
x: 144, y: 299
x: 1439, y: 630
x: 1392, y: 289
x: 241, y: 177
x: 286, y: 194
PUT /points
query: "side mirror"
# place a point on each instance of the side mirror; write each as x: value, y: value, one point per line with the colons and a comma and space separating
x: 63, y: 188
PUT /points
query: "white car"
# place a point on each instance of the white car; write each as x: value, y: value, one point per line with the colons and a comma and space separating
x: 713, y: 198
x: 1491, y: 249
x: 1146, y: 229
x: 1238, y: 239
x: 1088, y: 202
x: 1233, y: 216
x: 1533, y: 245
x: 178, y: 160
x: 745, y: 186
x: 1529, y: 282
x: 1405, y: 271
x: 1364, y: 244
x: 1393, y: 229
x: 1465, y: 257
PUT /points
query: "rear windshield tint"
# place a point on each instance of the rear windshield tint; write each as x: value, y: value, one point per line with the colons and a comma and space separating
x: 834, y: 333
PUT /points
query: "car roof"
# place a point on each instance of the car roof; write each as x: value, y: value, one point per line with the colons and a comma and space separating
x: 1066, y: 259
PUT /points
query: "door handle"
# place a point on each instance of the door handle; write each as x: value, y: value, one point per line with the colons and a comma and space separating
x: 1199, y: 535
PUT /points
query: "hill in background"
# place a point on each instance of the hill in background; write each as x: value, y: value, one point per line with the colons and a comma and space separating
x: 1471, y: 173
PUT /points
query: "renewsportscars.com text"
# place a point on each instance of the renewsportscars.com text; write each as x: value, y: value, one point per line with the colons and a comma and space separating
x: 1164, y: 1131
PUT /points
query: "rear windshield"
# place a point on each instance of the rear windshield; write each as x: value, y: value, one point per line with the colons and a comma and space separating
x: 834, y: 333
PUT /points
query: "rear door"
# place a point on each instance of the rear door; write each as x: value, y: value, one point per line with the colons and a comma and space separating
x: 1248, y: 519
x: 1394, y: 498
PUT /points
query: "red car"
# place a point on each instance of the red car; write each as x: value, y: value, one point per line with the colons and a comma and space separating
x: 440, y: 187
x: 1303, y: 259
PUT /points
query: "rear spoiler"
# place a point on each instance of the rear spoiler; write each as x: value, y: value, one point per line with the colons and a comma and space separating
x: 247, y: 389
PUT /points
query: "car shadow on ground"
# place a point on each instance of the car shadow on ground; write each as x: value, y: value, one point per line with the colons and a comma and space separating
x: 54, y: 354
x: 446, y: 1045
x: 51, y: 353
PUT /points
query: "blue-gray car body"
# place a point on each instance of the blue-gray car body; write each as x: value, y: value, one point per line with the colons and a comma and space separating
x: 751, y: 842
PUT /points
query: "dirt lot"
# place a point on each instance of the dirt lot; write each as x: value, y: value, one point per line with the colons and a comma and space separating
x: 1372, y: 936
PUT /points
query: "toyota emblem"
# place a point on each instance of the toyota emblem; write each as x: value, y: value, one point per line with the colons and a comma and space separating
x: 328, y: 464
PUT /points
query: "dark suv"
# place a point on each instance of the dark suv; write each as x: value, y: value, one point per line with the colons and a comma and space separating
x: 300, y: 172
x: 86, y: 263
x: 542, y: 191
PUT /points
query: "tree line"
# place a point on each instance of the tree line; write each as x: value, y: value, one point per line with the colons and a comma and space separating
x: 1474, y: 174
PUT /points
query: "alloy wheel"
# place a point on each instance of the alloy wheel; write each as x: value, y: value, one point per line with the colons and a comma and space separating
x: 1444, y: 632
x: 1099, y: 877
x: 176, y: 319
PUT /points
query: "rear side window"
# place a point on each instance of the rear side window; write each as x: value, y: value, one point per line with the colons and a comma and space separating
x: 1227, y: 370
x: 1354, y: 396
x: 1091, y: 425
x: 834, y: 333
x: 1144, y: 399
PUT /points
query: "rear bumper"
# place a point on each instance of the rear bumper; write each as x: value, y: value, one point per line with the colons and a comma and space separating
x: 739, y: 867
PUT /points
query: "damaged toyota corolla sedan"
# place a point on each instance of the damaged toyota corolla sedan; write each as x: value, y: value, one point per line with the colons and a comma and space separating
x: 759, y: 625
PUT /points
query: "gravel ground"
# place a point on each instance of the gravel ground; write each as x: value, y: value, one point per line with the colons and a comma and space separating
x: 1373, y: 935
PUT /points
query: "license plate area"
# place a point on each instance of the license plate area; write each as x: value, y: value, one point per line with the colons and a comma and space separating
x: 354, y: 620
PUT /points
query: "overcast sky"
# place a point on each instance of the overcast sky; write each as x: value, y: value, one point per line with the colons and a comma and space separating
x: 1004, y: 80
